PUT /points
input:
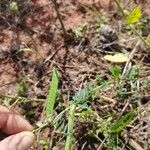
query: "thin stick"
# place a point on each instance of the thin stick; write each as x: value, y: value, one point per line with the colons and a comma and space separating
x: 135, y: 145
x: 59, y: 17
x: 125, y: 107
x: 130, y: 57
x: 40, y: 128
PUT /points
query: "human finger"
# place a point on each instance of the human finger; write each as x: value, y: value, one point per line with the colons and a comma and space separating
x: 20, y: 141
x: 12, y: 122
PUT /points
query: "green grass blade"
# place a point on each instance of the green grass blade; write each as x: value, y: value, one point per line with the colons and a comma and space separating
x: 69, y: 140
x: 51, y: 98
x: 123, y: 122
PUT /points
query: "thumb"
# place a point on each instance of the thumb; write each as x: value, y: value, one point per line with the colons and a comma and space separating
x: 19, y: 141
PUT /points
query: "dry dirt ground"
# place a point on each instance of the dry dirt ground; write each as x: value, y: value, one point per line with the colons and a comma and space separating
x: 37, y: 38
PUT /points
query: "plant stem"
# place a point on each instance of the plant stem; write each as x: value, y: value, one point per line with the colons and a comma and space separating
x: 120, y: 8
x: 40, y: 128
x: 69, y: 140
x: 140, y: 36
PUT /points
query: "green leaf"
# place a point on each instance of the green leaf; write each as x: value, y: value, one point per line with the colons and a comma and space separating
x: 134, y: 16
x: 51, y: 98
x: 122, y: 123
x: 84, y: 94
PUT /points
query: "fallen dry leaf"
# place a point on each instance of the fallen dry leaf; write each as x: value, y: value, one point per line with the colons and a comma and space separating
x: 117, y: 58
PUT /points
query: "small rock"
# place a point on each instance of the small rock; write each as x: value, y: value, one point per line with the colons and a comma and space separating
x: 108, y: 34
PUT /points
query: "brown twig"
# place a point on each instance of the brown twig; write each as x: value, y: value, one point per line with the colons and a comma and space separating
x: 135, y: 145
x: 59, y: 17
x: 130, y: 57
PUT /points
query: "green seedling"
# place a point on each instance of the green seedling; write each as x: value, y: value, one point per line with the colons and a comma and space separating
x: 115, y: 72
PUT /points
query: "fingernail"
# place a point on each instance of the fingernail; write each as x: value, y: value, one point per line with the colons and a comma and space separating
x: 26, y: 142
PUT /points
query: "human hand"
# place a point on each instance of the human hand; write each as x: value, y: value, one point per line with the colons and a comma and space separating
x: 17, y: 129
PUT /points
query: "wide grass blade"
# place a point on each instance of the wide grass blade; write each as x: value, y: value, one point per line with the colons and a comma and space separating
x: 69, y: 140
x: 51, y: 98
x: 123, y: 122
